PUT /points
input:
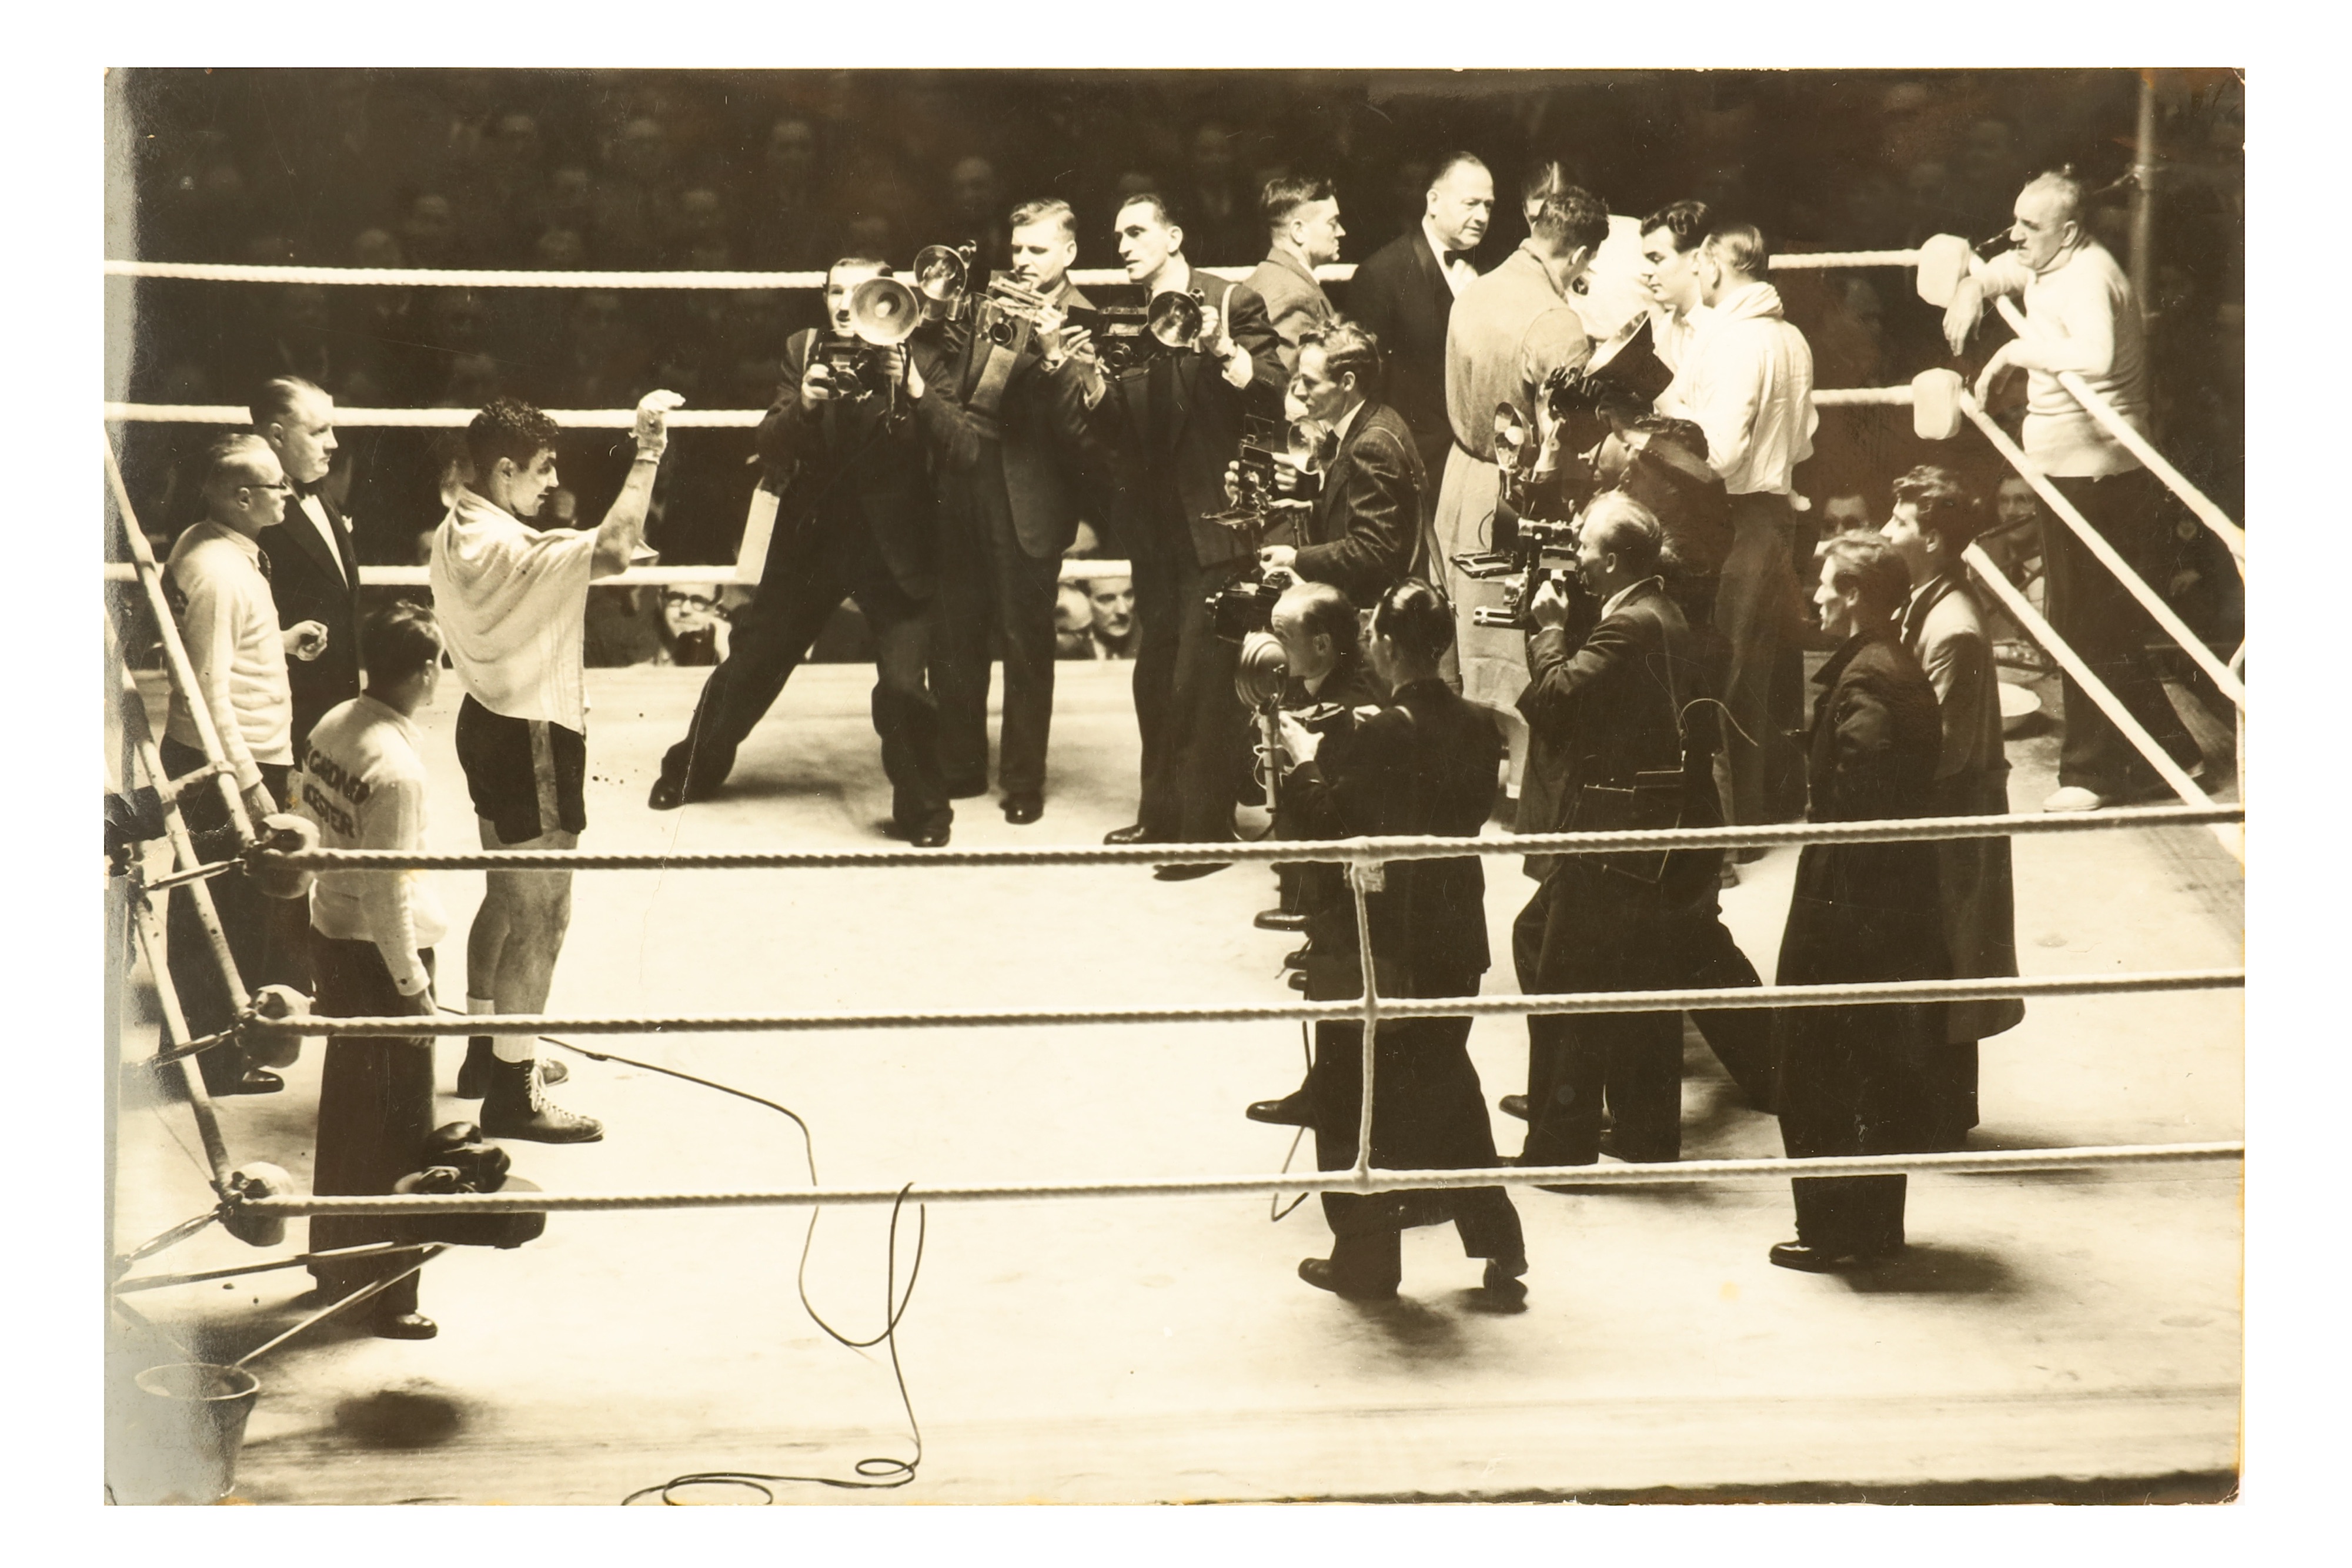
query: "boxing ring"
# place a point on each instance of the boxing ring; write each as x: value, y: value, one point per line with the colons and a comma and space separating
x: 254, y: 1203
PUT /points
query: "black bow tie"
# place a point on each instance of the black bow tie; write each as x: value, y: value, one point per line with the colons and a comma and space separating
x: 303, y: 492
x: 1454, y: 255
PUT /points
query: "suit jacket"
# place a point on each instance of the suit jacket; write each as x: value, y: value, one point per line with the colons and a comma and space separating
x: 1035, y: 459
x: 1175, y: 422
x: 1944, y: 631
x: 1294, y: 302
x: 1621, y: 704
x: 312, y: 583
x: 1365, y: 527
x: 842, y: 461
x: 1868, y: 912
x: 1402, y: 295
x: 1426, y: 763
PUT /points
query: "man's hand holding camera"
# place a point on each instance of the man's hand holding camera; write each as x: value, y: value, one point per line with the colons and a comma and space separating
x: 1299, y: 744
x: 1548, y: 608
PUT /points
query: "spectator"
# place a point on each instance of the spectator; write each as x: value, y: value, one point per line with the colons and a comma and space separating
x: 1074, y: 636
x: 1110, y: 602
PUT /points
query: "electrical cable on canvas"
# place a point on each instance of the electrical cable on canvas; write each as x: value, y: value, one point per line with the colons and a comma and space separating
x: 879, y: 1472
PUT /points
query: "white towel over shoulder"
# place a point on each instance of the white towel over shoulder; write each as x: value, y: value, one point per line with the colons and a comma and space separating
x: 510, y: 600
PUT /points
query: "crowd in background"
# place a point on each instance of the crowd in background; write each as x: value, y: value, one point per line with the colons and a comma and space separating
x: 789, y: 170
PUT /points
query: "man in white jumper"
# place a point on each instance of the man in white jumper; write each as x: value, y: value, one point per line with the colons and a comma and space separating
x: 2079, y: 306
x: 217, y: 581
x: 512, y: 599
x: 363, y: 782
x: 1746, y: 378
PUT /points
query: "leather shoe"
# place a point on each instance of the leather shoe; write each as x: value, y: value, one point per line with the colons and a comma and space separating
x: 1297, y: 957
x: 931, y: 838
x: 1133, y: 833
x: 1290, y: 1111
x: 1503, y: 1282
x: 668, y: 794
x: 1819, y: 1259
x: 1513, y: 1106
x: 1191, y: 871
x: 256, y: 1080
x: 406, y: 1325
x: 1319, y: 1273
x: 1023, y: 809
x: 1279, y: 920
x: 1297, y: 981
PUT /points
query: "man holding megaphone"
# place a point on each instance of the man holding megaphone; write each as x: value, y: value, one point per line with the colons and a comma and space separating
x: 1173, y: 422
x: 854, y: 520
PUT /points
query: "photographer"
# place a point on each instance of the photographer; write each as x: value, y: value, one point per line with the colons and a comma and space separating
x: 1625, y: 715
x: 1012, y: 481
x: 855, y: 520
x: 1362, y: 531
x: 1424, y: 764
x: 1173, y: 422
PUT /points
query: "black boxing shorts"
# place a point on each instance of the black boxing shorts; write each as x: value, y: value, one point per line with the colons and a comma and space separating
x: 525, y: 775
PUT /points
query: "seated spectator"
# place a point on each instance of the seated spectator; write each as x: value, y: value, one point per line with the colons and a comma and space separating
x: 1112, y: 599
x: 1074, y: 624
x: 693, y: 626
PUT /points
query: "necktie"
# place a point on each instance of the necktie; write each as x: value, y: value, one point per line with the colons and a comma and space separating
x: 1454, y: 255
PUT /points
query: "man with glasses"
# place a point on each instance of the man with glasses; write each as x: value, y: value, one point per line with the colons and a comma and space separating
x: 218, y: 582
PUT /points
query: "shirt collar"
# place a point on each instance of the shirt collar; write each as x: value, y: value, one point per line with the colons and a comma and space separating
x: 1347, y: 422
x: 1536, y: 262
x: 1437, y: 245
x: 251, y: 546
x: 389, y: 714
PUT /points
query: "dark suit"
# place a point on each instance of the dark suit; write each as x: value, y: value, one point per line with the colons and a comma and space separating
x: 1853, y: 1079
x: 1014, y: 471
x: 855, y: 520
x: 1400, y: 294
x: 1424, y: 764
x: 1173, y: 425
x: 1625, y: 703
x: 1296, y: 304
x: 309, y: 580
x: 1364, y: 531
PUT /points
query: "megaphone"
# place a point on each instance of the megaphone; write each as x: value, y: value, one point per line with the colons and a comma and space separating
x: 1174, y: 318
x: 943, y: 277
x: 884, y: 312
x: 1260, y: 671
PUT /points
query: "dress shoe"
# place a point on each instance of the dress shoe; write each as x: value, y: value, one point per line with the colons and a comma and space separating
x: 932, y: 838
x: 1503, y: 1282
x: 1133, y: 833
x: 1297, y: 957
x: 1279, y: 920
x: 668, y: 794
x: 2073, y: 798
x: 1319, y: 1273
x: 1025, y: 807
x: 1191, y: 871
x: 1291, y: 1110
x: 1297, y: 981
x: 256, y: 1080
x: 1513, y: 1106
x: 405, y: 1326
x: 1820, y: 1260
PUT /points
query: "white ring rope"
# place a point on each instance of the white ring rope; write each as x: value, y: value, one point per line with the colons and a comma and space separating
x: 1890, y: 830
x: 1545, y: 1004
x: 503, y: 277
x: 2099, y: 409
x: 1988, y: 1163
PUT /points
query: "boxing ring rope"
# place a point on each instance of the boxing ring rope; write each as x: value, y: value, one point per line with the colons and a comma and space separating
x: 2138, y: 445
x: 1364, y: 857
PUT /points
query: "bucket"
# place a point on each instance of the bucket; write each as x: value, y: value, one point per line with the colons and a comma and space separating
x: 183, y: 1435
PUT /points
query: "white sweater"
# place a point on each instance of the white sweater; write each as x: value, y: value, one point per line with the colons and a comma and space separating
x: 1748, y: 381
x: 2085, y: 319
x: 230, y: 623
x: 363, y: 782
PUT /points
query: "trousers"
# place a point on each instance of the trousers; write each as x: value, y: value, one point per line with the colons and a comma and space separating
x: 805, y: 580
x: 1758, y: 609
x: 2096, y: 616
x: 1852, y: 1083
x: 375, y: 1108
x: 268, y: 937
x: 990, y: 585
x: 1192, y: 724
